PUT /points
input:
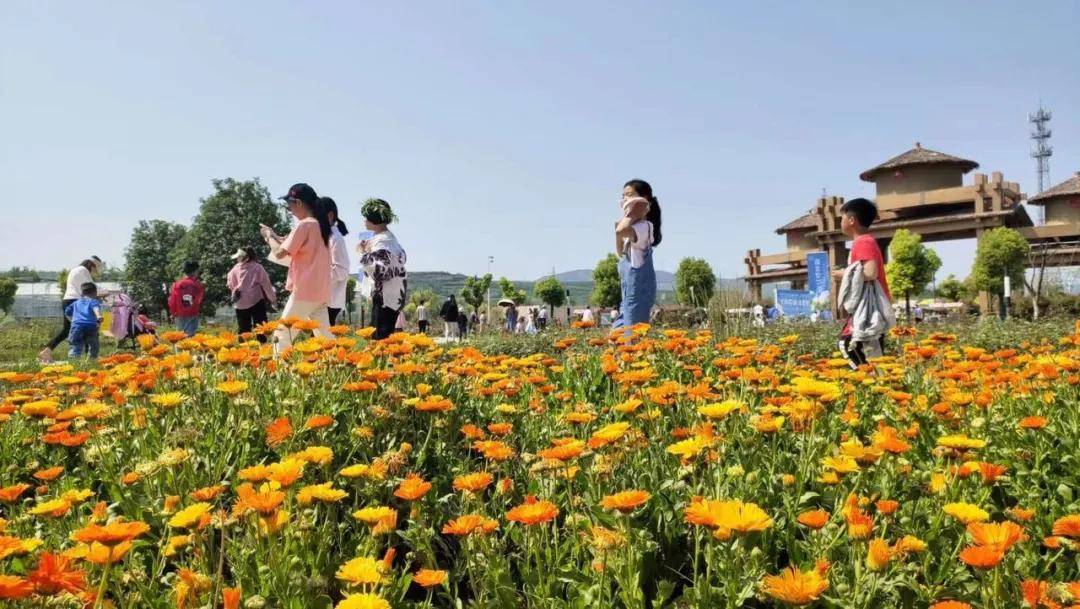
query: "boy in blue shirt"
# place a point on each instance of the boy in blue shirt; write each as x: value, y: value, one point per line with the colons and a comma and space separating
x: 85, y: 316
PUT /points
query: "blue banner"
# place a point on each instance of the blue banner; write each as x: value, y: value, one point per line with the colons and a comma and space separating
x: 818, y: 279
x: 793, y: 303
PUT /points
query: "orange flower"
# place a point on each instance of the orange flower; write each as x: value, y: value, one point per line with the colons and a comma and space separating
x: 101, y: 554
x: 470, y: 524
x: 887, y: 506
x: 999, y: 535
x: 230, y: 598
x: 982, y: 557
x: 797, y: 587
x: 533, y: 512
x: 54, y: 574
x: 815, y: 519
x: 319, y: 421
x: 14, y: 588
x: 474, y: 482
x: 278, y: 431
x: 626, y: 501
x: 878, y: 555
x: 264, y: 501
x: 727, y: 516
x: 1033, y: 422
x: 950, y: 605
x: 9, y: 494
x: 429, y: 578
x: 412, y: 488
x: 563, y: 451
x: 1068, y: 526
x: 51, y: 473
x: 111, y: 534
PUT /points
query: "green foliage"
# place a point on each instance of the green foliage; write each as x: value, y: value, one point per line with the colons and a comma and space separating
x: 61, y: 281
x: 952, y: 289
x: 694, y: 282
x: 425, y: 295
x: 607, y: 291
x: 475, y: 290
x: 146, y: 262
x: 1001, y: 252
x: 509, y: 290
x: 350, y: 296
x: 229, y: 219
x: 8, y: 287
x: 911, y: 264
x: 550, y: 292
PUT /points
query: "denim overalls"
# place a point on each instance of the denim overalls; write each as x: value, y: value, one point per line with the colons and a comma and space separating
x: 638, y: 289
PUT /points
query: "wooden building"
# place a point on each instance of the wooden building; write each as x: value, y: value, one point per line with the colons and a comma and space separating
x: 923, y: 191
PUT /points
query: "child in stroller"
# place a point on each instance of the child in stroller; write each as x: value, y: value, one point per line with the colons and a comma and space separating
x: 129, y: 320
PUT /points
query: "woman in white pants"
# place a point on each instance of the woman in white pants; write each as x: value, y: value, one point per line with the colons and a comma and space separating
x: 307, y: 253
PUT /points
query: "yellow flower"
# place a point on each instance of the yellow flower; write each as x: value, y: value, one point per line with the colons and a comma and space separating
x: 190, y: 516
x: 232, y: 387
x: 720, y: 409
x: 966, y: 512
x: 324, y: 492
x: 961, y: 442
x: 727, y: 516
x: 362, y: 571
x: 168, y: 400
x: 878, y: 555
x: 813, y: 388
x: 690, y: 447
x: 318, y: 455
x: 363, y: 601
x: 842, y: 464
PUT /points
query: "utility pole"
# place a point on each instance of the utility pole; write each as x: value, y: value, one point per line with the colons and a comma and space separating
x: 491, y: 259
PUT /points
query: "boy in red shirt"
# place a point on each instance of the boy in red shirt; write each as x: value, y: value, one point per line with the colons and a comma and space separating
x: 858, y: 215
x: 186, y: 299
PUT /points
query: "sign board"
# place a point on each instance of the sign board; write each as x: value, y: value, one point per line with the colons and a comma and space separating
x: 794, y: 303
x: 818, y: 283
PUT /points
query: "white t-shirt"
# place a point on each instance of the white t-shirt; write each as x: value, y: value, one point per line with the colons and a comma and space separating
x: 339, y: 269
x: 587, y: 315
x: 76, y: 277
x: 421, y: 313
x: 637, y: 247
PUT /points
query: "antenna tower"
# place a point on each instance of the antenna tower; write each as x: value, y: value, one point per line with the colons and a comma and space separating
x: 1041, y: 151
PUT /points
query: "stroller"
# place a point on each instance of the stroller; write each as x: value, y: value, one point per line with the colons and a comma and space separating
x: 128, y: 322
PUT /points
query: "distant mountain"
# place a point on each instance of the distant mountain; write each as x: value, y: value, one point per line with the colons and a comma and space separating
x: 665, y: 281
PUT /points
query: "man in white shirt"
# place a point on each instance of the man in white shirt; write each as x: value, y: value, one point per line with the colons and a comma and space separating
x: 587, y: 315
x: 542, y: 318
x: 421, y: 317
x: 83, y: 273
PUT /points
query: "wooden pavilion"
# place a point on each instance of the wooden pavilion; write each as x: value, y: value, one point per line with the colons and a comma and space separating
x: 923, y: 191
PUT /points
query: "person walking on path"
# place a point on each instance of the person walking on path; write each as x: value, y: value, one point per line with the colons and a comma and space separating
x: 462, y: 324
x: 251, y: 290
x: 85, y: 316
x: 542, y: 318
x: 511, y: 318
x: 421, y: 317
x: 83, y: 273
x: 399, y: 325
x: 186, y: 298
x: 635, y: 240
x: 339, y: 260
x: 383, y: 260
x: 306, y: 251
x: 449, y: 315
x: 868, y: 311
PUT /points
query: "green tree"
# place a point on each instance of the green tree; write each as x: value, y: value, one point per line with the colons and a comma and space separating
x: 1001, y: 252
x: 350, y: 297
x: 952, y: 289
x: 509, y: 290
x: 61, y: 281
x: 475, y: 290
x: 8, y: 287
x: 607, y: 290
x: 550, y: 292
x: 229, y: 219
x: 911, y: 265
x: 694, y: 282
x: 147, y: 274
x: 423, y: 295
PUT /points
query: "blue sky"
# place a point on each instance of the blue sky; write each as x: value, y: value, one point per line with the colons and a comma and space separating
x: 508, y: 129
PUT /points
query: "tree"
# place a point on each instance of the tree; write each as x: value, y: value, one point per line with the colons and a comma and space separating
x: 425, y: 295
x: 550, y: 292
x: 147, y: 274
x: 911, y: 265
x: 509, y: 290
x: 607, y: 288
x: 951, y: 289
x: 229, y: 219
x: 350, y: 296
x: 8, y: 287
x: 1001, y: 253
x: 694, y: 282
x: 61, y: 281
x: 475, y: 290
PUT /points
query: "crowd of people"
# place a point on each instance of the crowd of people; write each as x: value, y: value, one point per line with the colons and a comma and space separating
x: 318, y: 263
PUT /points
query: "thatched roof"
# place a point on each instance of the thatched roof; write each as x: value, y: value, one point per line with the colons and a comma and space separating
x: 807, y: 220
x: 918, y: 156
x: 1068, y: 188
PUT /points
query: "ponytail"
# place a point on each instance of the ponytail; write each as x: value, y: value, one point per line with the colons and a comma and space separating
x: 340, y: 224
x: 319, y: 212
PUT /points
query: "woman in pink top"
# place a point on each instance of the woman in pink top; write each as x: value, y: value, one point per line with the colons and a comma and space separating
x: 251, y: 291
x: 307, y: 250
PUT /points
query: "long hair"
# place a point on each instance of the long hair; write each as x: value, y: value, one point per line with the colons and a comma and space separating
x: 654, y: 216
x: 318, y: 211
x: 331, y: 206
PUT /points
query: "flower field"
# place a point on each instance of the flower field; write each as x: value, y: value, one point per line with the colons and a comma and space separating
x: 666, y: 469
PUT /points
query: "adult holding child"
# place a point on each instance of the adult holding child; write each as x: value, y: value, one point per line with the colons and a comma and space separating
x: 636, y: 234
x: 383, y: 260
x: 306, y: 251
x: 251, y: 289
x: 339, y: 260
x: 81, y: 274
